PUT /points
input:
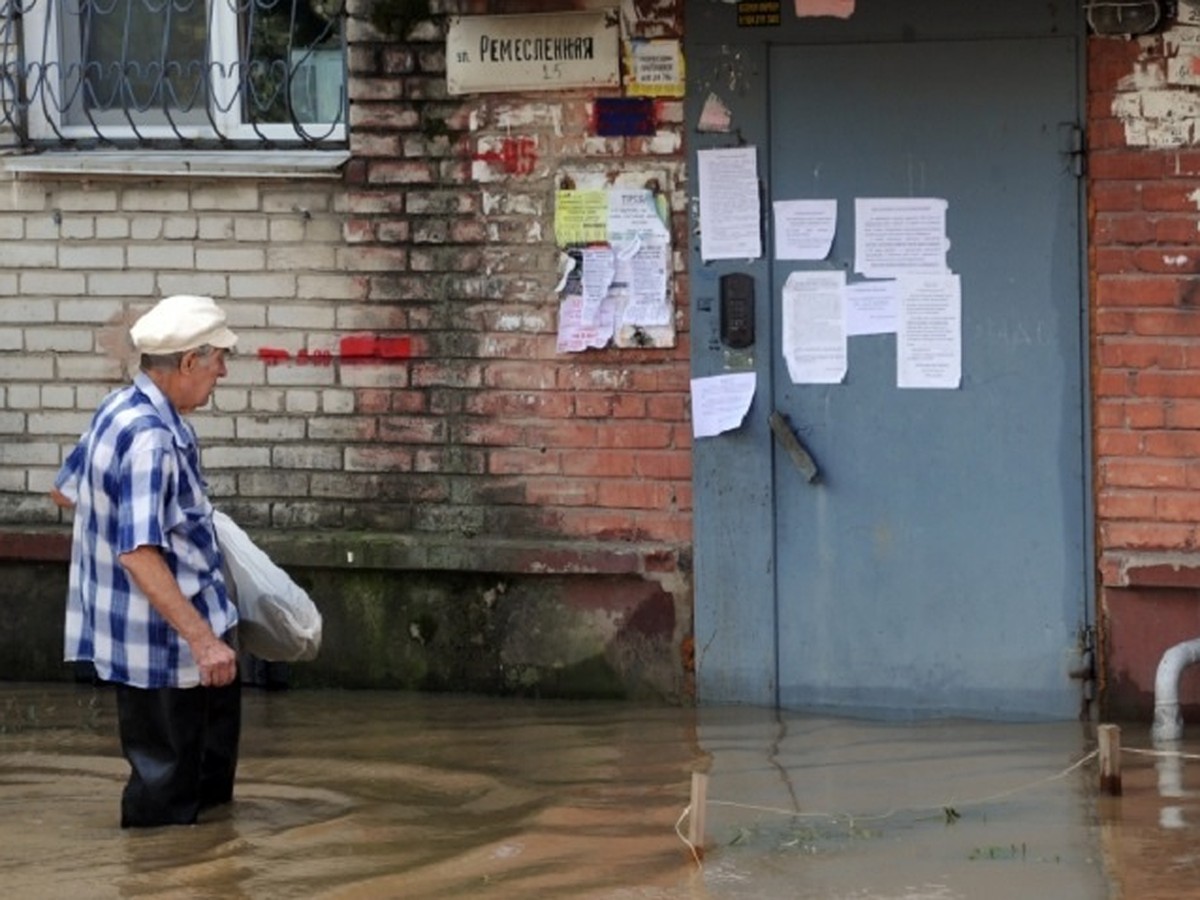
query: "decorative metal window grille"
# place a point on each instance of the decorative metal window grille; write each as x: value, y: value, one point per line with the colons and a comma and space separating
x: 174, y: 73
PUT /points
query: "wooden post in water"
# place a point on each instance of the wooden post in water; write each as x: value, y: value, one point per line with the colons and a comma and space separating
x: 1109, y: 739
x: 696, y: 816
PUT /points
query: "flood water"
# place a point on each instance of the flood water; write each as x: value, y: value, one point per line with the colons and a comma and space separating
x: 376, y: 794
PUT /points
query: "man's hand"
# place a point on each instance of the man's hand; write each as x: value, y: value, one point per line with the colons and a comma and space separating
x: 215, y: 658
x: 61, y: 500
x: 217, y: 662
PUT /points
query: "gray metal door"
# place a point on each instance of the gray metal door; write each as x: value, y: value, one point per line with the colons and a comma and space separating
x: 939, y: 564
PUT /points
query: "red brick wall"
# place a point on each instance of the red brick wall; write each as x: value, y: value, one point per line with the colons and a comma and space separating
x: 1144, y: 186
x: 450, y: 217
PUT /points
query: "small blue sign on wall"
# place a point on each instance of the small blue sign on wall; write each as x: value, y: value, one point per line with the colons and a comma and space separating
x: 623, y: 116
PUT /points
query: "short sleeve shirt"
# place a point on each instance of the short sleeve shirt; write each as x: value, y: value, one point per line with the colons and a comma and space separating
x: 136, y: 481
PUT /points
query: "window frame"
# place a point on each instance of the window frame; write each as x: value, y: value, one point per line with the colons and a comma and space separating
x: 47, y: 119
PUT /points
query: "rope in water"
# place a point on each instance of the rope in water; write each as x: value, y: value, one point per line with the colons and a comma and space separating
x: 947, y: 808
x: 1164, y: 754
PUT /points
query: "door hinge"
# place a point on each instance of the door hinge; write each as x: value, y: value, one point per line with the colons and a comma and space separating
x: 1085, y: 666
x: 1076, y: 150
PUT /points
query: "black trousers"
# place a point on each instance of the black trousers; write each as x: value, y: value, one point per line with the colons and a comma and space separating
x: 182, y: 748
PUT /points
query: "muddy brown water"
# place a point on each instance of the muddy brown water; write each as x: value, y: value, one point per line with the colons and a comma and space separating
x: 376, y: 794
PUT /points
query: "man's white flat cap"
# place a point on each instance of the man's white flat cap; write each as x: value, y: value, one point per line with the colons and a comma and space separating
x: 182, y: 322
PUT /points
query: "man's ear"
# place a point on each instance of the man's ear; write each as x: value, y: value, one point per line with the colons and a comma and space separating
x: 188, y: 362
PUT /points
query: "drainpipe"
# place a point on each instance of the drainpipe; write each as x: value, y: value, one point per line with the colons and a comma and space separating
x: 1168, y: 724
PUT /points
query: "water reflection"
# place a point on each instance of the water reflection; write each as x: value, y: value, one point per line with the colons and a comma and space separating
x: 1150, y: 833
x: 366, y: 795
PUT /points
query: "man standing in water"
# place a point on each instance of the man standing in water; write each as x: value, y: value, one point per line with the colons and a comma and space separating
x: 147, y: 605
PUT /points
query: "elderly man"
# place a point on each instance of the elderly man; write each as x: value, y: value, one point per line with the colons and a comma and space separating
x: 147, y: 604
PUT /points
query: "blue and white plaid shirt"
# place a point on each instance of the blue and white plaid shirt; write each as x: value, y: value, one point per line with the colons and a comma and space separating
x: 135, y: 479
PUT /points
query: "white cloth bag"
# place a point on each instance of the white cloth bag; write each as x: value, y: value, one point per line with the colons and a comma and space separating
x: 278, y: 621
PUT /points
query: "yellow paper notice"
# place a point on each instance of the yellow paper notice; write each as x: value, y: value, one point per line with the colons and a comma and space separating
x: 581, y: 217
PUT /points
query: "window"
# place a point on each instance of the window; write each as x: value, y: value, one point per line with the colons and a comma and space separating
x: 176, y: 72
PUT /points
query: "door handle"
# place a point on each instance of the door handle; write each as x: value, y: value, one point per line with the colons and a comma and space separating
x: 800, y: 456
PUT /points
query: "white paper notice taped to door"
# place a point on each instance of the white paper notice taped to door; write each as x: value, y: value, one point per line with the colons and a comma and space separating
x: 814, y: 327
x: 896, y: 236
x: 872, y: 307
x: 804, y: 229
x: 730, y: 221
x: 929, y: 338
x: 720, y: 402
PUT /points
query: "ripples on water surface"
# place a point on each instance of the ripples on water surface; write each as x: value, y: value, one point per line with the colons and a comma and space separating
x: 372, y: 794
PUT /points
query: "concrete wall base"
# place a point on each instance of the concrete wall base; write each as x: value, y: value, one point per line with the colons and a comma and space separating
x: 591, y: 634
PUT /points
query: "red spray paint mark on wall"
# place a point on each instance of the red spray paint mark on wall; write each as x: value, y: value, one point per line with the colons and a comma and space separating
x: 353, y: 348
x: 373, y: 347
x: 517, y: 156
x: 271, y: 355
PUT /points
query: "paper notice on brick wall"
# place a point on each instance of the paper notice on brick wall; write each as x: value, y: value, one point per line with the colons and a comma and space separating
x: 599, y: 267
x: 574, y: 335
x: 632, y: 214
x: 655, y: 68
x: 580, y: 217
x: 1183, y: 66
x: 643, y: 270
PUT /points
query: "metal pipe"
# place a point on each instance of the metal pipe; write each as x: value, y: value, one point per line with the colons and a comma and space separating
x: 1168, y: 723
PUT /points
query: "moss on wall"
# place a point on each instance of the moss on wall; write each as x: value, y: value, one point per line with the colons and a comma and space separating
x: 584, y: 636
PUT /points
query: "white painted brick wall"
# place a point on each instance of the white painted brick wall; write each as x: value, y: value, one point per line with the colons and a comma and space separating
x: 27, y: 255
x: 271, y: 286
x: 27, y: 454
x: 21, y: 396
x: 311, y: 457
x: 268, y: 400
x: 162, y: 199
x: 215, y: 228
x: 302, y: 401
x: 123, y: 284
x: 162, y: 256
x: 54, y: 284
x: 91, y: 256
x: 214, y: 285
x: 226, y: 197
x: 78, y: 229
x: 268, y: 428
x: 89, y: 310
x: 45, y: 422
x: 90, y: 200
x: 213, y: 427
x: 22, y: 368
x: 236, y: 457
x: 308, y: 316
x: 60, y: 340
x: 90, y: 368
x: 109, y: 228
x: 79, y: 263
x: 230, y: 259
